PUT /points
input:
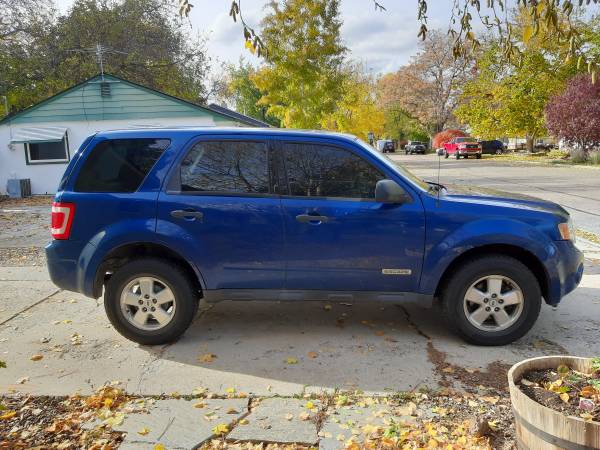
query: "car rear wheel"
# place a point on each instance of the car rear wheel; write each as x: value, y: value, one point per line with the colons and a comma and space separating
x: 150, y: 301
x: 446, y: 155
x: 498, y: 151
x: 492, y: 300
x: 457, y: 156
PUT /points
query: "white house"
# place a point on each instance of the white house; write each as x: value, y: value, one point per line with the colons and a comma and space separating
x: 38, y: 142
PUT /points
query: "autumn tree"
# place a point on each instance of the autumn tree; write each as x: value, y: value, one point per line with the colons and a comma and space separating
x: 428, y: 88
x: 151, y: 47
x: 302, y: 77
x: 356, y: 111
x: 446, y: 136
x: 574, y: 114
x: 243, y: 93
x: 508, y: 99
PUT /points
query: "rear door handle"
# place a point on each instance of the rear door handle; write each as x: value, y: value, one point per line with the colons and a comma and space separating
x: 187, y: 214
x: 312, y: 218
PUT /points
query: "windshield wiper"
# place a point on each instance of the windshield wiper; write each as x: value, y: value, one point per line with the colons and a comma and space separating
x: 434, y: 185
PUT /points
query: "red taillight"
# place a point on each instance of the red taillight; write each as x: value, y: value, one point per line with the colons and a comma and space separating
x: 62, y: 218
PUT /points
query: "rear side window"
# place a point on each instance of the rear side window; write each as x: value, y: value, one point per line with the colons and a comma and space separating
x: 226, y: 167
x: 315, y: 170
x: 119, y: 165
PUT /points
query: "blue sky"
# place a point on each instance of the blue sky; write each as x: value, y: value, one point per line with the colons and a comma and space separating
x: 383, y: 41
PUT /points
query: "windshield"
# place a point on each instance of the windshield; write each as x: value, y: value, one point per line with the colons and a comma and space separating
x: 412, y: 178
x: 464, y: 139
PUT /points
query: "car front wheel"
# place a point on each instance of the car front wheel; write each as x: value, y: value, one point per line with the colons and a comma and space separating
x: 492, y: 300
x: 150, y: 301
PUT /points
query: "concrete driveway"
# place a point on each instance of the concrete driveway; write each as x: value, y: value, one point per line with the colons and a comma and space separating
x: 372, y: 347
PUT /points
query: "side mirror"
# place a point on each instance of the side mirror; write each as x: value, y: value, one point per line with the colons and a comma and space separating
x: 388, y: 191
x: 440, y: 152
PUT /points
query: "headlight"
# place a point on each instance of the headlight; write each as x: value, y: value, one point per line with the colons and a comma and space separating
x: 567, y: 231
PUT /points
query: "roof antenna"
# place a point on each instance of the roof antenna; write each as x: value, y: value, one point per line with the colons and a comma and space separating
x: 440, y: 153
x: 99, y: 50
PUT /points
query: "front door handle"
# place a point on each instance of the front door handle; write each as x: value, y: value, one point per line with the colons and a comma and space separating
x: 187, y: 214
x: 312, y: 218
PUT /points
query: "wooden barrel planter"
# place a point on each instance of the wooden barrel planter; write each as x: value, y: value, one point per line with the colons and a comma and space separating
x: 541, y: 428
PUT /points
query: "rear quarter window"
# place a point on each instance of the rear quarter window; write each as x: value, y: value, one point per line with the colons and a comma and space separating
x: 119, y: 165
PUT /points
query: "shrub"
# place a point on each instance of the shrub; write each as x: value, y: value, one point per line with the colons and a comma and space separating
x: 558, y: 154
x: 594, y: 157
x: 578, y: 155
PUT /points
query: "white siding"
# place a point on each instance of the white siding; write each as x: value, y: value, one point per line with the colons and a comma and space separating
x: 45, y: 177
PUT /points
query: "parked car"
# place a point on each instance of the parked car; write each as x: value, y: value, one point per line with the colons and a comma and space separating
x: 415, y: 147
x: 462, y: 147
x: 157, y: 219
x: 494, y: 147
x: 386, y: 146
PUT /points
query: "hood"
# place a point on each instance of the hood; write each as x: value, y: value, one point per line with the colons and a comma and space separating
x: 493, y: 197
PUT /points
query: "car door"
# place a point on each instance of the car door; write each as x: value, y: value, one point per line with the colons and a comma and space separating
x: 338, y: 238
x: 219, y: 208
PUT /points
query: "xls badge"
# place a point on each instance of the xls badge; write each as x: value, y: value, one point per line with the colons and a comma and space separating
x: 396, y: 271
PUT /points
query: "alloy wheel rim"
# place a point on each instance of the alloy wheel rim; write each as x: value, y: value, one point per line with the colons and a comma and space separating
x: 148, y: 303
x: 493, y: 303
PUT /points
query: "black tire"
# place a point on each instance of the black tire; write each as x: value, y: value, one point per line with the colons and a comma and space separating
x: 173, y: 276
x: 479, y: 156
x: 446, y: 155
x: 457, y: 155
x: 455, y: 288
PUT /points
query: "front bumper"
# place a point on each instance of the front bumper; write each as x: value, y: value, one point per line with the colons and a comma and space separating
x: 565, y: 272
x: 469, y: 152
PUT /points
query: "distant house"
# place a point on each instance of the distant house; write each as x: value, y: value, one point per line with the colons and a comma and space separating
x: 38, y: 142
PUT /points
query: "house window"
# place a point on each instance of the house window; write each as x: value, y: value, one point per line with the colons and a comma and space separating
x: 47, y: 152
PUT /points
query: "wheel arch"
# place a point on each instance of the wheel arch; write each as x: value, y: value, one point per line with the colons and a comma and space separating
x: 519, y: 253
x: 124, y: 253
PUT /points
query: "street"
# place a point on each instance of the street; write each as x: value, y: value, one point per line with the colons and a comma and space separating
x: 573, y: 187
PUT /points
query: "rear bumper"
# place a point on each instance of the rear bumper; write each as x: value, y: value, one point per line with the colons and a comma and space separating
x: 566, y: 272
x: 67, y: 265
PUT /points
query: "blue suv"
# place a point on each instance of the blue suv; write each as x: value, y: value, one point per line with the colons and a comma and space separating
x: 158, y: 219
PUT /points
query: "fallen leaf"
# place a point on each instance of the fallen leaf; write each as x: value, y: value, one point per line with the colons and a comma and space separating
x: 304, y: 416
x: 199, y: 391
x: 448, y: 369
x: 232, y: 411
x: 493, y: 425
x: 491, y: 400
x: 2, y: 365
x: 291, y: 360
x: 207, y: 358
x: 312, y: 355
x: 564, y: 397
x: 115, y: 420
x: 8, y: 415
x: 586, y: 416
x: 159, y: 447
x: 199, y: 405
x: 230, y: 390
x: 309, y: 405
x: 243, y: 422
x: 526, y: 382
x: 221, y: 429
x: 23, y: 380
x: 144, y: 431
x: 340, y: 438
x: 289, y: 416
x: 380, y: 333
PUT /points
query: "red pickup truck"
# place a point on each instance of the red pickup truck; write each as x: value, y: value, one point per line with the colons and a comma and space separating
x: 462, y: 146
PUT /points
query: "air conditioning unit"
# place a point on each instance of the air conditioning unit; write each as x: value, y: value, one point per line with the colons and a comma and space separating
x: 19, y: 188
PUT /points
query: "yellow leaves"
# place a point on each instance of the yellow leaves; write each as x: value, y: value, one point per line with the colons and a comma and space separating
x: 527, y: 33
x: 291, y: 360
x: 8, y: 415
x: 207, y: 358
x: 230, y: 390
x: 36, y: 357
x: 115, y: 420
x: 220, y: 429
x: 108, y: 402
x: 232, y: 411
x: 250, y: 46
x: 564, y: 397
x: 309, y: 405
x: 586, y: 416
x: 243, y: 422
x: 144, y: 431
x: 199, y: 405
x: 159, y: 447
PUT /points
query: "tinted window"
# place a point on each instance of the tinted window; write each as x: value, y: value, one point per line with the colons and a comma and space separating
x: 48, y: 151
x: 228, y: 166
x: 323, y: 171
x: 119, y: 165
